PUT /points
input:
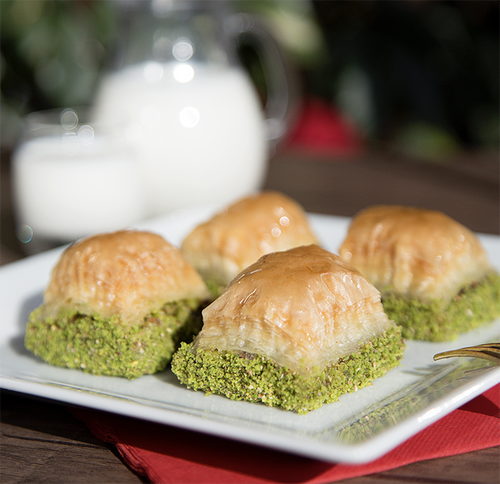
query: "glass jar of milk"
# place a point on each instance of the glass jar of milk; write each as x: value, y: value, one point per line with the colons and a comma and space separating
x: 72, y: 178
x: 190, y: 109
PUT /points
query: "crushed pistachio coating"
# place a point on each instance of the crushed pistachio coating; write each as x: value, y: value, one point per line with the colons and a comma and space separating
x: 215, y: 288
x: 108, y: 346
x: 257, y: 378
x: 441, y: 321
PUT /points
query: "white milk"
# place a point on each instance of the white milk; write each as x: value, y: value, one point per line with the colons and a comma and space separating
x: 67, y: 191
x: 199, y: 131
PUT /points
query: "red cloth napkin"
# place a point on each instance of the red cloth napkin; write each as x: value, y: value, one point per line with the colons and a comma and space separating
x: 170, y: 455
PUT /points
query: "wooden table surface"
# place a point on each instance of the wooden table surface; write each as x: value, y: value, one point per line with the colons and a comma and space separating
x: 42, y: 442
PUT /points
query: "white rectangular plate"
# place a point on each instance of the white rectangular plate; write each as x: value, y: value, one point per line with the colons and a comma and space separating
x: 398, y: 405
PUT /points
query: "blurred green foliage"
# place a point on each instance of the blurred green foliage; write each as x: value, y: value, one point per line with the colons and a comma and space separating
x: 51, y: 55
x: 420, y: 74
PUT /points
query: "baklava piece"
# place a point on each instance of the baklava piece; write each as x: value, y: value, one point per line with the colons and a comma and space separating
x: 296, y: 329
x: 223, y: 246
x: 117, y: 304
x: 433, y: 273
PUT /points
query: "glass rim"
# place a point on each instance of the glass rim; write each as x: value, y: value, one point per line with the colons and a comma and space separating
x: 67, y: 117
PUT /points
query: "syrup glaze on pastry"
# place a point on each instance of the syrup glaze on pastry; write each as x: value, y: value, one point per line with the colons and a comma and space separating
x: 296, y: 329
x: 236, y: 237
x: 303, y: 308
x: 117, y: 304
x: 434, y: 275
x: 126, y: 273
x: 419, y: 253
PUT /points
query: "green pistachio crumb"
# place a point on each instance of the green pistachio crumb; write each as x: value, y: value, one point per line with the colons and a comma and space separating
x: 108, y: 346
x: 256, y: 378
x: 439, y: 321
x: 216, y: 288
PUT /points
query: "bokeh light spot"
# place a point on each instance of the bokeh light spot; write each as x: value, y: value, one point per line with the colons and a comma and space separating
x: 183, y: 73
x: 25, y: 234
x: 182, y: 50
x: 284, y: 221
x: 276, y: 231
x: 69, y: 119
x: 86, y: 134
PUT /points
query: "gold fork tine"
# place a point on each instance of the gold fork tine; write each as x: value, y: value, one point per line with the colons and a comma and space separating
x: 487, y: 351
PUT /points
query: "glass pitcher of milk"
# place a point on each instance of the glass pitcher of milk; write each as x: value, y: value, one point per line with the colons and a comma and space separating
x: 191, y: 111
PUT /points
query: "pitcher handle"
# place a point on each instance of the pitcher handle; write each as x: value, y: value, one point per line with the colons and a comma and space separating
x: 281, y: 83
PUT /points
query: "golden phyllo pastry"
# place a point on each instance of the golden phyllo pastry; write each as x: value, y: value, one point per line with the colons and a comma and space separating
x: 434, y: 275
x: 117, y: 304
x: 223, y: 246
x: 296, y: 329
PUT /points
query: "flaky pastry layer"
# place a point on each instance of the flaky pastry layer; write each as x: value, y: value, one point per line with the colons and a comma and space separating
x: 129, y: 273
x: 303, y: 308
x: 419, y: 253
x: 223, y: 246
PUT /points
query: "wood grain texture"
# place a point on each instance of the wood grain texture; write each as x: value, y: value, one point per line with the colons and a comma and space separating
x: 42, y: 442
x: 480, y: 467
x: 466, y: 189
